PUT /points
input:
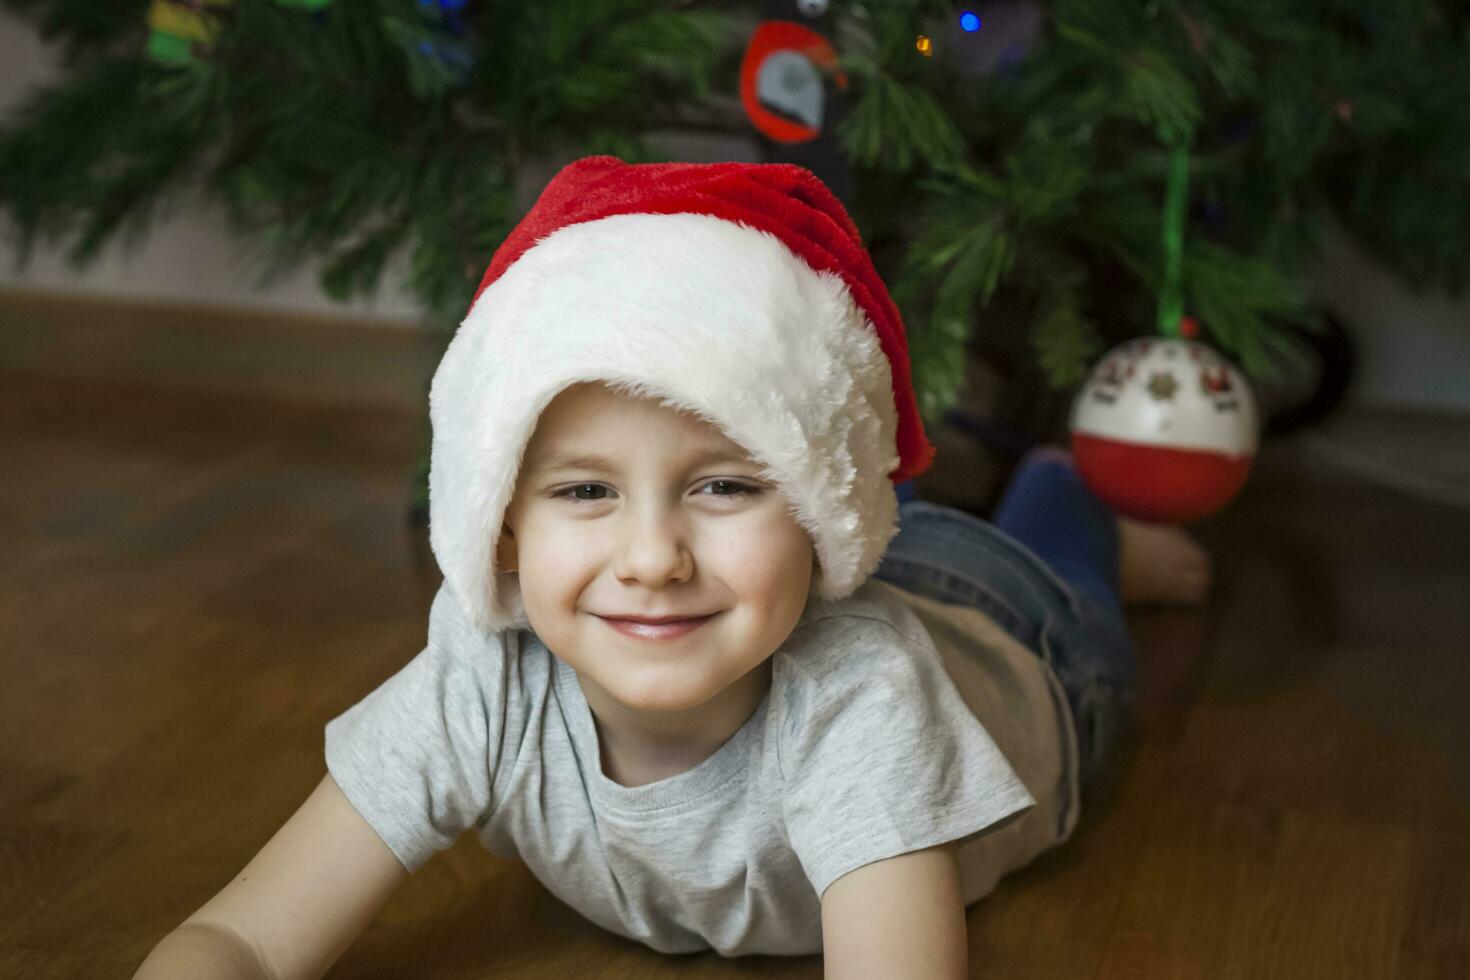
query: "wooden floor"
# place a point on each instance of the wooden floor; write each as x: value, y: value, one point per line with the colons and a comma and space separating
x: 191, y: 588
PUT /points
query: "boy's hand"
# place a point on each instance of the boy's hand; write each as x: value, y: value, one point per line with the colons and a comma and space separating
x: 902, y: 917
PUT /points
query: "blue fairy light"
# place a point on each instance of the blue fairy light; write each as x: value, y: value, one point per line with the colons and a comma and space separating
x: 969, y: 22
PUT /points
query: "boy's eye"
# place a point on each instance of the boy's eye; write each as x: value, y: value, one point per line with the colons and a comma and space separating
x: 731, y: 488
x: 725, y: 488
x: 574, y: 491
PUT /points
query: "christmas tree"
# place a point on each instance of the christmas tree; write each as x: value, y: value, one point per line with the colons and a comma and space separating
x: 1018, y: 184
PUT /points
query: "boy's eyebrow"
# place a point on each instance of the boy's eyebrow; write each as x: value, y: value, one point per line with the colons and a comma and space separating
x: 592, y: 461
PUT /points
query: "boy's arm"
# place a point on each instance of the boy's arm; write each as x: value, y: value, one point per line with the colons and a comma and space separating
x: 295, y: 907
x: 902, y: 917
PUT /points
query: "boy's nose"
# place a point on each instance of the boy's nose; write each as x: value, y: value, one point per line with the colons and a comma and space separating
x: 654, y: 551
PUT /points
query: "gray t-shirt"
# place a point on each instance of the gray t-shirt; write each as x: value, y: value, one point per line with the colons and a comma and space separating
x: 864, y: 748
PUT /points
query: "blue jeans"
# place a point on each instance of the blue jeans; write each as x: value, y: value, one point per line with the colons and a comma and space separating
x: 1046, y: 570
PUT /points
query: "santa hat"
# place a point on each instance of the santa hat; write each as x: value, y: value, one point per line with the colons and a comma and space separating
x: 738, y: 292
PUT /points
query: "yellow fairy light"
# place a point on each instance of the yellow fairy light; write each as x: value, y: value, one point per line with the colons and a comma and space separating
x: 925, y: 46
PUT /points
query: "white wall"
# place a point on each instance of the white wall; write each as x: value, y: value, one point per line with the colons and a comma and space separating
x: 1415, y: 349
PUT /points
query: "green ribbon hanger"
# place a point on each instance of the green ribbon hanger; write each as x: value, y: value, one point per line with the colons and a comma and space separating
x: 1176, y: 195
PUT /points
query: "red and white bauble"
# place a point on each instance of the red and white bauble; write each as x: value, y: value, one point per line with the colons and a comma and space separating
x: 1165, y: 430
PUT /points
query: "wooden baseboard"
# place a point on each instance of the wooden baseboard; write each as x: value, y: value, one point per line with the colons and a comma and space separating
x: 222, y: 350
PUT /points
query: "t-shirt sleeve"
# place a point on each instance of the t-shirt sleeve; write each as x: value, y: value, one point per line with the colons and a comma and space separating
x: 417, y: 755
x: 880, y: 756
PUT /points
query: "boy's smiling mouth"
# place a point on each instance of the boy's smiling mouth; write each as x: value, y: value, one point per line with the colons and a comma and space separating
x: 660, y: 628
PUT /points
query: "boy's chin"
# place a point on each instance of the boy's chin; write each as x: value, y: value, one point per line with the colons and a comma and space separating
x: 665, y: 700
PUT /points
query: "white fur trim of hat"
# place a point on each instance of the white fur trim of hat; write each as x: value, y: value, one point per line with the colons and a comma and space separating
x: 710, y: 316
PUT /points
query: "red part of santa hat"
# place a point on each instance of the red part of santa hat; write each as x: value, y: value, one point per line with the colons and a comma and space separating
x: 739, y: 292
x: 788, y: 201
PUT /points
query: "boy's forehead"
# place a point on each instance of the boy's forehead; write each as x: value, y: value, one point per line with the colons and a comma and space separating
x: 576, y: 426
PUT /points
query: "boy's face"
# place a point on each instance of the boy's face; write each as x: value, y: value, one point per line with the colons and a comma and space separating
x: 673, y: 522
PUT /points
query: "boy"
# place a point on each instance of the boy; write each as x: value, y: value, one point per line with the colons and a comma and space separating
x: 666, y: 668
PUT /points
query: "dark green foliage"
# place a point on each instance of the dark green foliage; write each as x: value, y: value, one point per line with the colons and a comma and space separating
x: 346, y: 136
x: 1351, y: 106
x: 353, y: 136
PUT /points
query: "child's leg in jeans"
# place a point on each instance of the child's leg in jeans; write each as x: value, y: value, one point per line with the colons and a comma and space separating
x: 1053, y: 570
x: 1075, y: 626
x: 1049, y: 510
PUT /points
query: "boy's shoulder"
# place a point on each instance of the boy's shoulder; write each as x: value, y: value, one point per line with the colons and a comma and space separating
x: 875, y: 618
x: 875, y: 601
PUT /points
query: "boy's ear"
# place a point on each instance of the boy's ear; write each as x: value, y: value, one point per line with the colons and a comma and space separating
x: 505, y: 550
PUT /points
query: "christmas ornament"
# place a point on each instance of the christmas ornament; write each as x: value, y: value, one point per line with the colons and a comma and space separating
x: 180, y: 31
x: 1165, y: 429
x: 782, y: 80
